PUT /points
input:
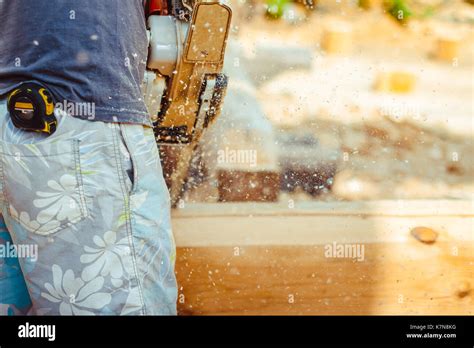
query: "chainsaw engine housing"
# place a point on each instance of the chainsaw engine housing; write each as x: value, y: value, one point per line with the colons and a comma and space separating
x: 188, y: 57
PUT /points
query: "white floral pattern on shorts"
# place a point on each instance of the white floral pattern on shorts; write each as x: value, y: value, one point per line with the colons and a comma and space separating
x: 91, y: 197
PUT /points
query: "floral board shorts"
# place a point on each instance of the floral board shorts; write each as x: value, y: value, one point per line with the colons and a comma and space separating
x: 86, y: 221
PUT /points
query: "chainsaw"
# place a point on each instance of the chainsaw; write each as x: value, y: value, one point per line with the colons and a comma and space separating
x: 184, y: 86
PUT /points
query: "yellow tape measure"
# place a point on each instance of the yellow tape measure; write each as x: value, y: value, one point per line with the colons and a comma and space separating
x: 31, y: 107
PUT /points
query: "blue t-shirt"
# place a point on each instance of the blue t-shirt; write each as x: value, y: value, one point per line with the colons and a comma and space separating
x: 91, y: 54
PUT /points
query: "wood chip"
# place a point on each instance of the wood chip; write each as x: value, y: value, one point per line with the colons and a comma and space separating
x: 424, y: 234
x: 463, y: 289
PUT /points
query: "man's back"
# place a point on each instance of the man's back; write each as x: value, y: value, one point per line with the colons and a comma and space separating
x: 83, y: 51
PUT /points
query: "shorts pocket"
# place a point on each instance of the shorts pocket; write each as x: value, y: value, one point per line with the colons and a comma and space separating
x: 42, y: 184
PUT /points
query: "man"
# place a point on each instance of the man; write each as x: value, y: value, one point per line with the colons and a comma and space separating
x: 86, y: 215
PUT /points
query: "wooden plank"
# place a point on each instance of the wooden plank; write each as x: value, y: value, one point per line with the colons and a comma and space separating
x: 283, y: 280
x: 369, y: 208
x: 395, y: 82
x: 261, y: 259
x: 318, y: 223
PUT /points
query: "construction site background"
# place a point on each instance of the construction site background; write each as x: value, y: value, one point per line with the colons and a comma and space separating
x: 348, y: 100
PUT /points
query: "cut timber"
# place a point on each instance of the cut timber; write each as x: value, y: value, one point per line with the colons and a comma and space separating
x: 244, y: 186
x: 337, y: 38
x: 370, y: 4
x: 264, y: 259
x: 447, y: 48
x: 395, y: 82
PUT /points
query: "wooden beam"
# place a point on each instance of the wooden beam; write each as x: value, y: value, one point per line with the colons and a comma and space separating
x: 271, y: 259
x: 309, y: 223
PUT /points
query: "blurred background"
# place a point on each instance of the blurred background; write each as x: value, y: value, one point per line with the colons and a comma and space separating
x: 354, y: 120
x: 343, y: 100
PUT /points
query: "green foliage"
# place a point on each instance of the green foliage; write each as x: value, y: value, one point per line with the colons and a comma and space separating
x: 399, y: 10
x: 428, y: 12
x: 275, y: 8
